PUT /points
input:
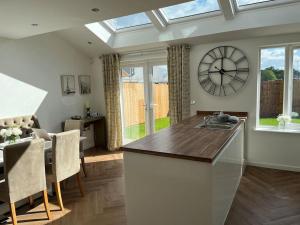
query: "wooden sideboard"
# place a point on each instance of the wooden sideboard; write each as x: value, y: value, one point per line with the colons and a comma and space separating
x: 99, y: 130
x: 99, y: 126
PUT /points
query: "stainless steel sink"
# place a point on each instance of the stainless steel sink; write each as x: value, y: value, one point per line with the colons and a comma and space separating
x: 222, y: 126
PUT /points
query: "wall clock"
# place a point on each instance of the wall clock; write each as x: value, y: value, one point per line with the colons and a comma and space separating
x: 223, y: 71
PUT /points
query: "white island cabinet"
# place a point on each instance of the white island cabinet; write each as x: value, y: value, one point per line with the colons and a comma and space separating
x: 162, y: 190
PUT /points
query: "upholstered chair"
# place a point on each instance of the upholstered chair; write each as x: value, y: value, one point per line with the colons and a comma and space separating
x: 24, y: 169
x: 65, y: 161
x: 77, y: 125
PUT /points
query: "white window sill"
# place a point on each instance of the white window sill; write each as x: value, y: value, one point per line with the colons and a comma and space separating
x: 293, y: 129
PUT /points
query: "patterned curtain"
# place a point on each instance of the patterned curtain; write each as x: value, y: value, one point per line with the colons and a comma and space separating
x: 111, y: 72
x: 179, y: 82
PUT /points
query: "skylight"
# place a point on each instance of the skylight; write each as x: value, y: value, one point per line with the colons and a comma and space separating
x: 191, y: 8
x: 250, y: 2
x: 133, y: 20
x: 99, y: 31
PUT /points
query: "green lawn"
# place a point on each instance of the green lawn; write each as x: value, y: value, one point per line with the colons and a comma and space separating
x: 137, y: 131
x: 273, y: 121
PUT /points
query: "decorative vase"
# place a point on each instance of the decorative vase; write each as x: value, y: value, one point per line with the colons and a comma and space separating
x: 12, y: 139
x: 281, y: 124
x: 88, y: 112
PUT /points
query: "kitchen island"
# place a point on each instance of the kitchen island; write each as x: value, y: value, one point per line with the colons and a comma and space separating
x: 183, y: 175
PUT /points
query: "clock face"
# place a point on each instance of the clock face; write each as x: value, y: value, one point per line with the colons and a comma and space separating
x: 223, y: 71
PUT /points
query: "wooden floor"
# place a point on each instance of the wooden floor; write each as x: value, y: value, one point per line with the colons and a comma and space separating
x: 265, y: 197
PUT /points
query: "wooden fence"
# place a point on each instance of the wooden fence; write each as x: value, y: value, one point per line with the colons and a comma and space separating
x: 134, y: 100
x: 271, y: 97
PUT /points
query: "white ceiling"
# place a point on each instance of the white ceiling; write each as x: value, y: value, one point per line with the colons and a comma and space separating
x: 67, y: 18
x: 79, y: 38
x: 16, y: 16
x: 281, y: 19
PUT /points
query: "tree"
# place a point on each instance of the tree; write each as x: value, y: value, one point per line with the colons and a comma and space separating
x: 279, y: 73
x: 267, y: 74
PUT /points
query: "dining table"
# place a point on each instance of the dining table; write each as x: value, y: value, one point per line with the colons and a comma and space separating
x: 47, y: 146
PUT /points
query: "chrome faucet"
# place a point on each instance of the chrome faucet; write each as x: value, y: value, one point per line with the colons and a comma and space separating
x: 206, y: 120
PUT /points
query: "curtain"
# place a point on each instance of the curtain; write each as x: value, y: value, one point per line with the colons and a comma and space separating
x: 179, y: 82
x: 111, y: 72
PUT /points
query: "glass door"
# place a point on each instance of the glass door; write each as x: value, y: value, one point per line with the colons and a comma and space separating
x: 145, y: 100
x: 160, y: 97
x: 133, y: 103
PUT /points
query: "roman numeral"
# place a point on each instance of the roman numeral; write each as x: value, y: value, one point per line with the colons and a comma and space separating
x: 239, y: 79
x: 204, y: 73
x: 222, y: 88
x: 212, y: 89
x: 240, y: 60
x: 206, y: 63
x: 232, y: 87
x: 212, y: 56
x: 225, y: 51
x: 205, y: 82
x: 232, y: 53
x: 241, y: 70
x: 221, y: 52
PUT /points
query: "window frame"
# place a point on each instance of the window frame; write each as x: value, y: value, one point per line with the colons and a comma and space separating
x: 259, y: 5
x: 131, y: 28
x: 288, y: 83
x: 190, y: 17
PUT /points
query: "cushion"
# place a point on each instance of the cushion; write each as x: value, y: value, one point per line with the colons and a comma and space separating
x: 41, y: 133
x: 26, y: 123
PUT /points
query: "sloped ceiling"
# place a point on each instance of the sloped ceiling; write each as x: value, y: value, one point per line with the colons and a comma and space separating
x: 17, y: 16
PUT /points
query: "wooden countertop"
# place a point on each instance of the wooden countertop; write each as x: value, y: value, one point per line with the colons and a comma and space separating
x: 184, y: 141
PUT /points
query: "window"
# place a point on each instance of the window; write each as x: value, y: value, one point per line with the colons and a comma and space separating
x: 296, y: 86
x: 133, y: 20
x: 279, y: 85
x: 99, y: 31
x: 272, y: 85
x: 250, y: 2
x: 191, y: 8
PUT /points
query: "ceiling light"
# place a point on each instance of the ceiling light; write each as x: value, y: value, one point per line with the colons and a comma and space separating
x: 95, y: 9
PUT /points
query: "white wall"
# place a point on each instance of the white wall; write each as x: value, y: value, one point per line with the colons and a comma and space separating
x: 275, y: 150
x: 97, y: 71
x: 30, y: 72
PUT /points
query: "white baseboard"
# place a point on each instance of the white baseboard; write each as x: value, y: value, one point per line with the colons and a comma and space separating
x: 273, y: 166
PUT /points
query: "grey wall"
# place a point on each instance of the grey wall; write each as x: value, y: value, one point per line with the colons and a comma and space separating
x: 277, y: 150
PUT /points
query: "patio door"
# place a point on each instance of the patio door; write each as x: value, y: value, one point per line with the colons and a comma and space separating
x: 144, y: 99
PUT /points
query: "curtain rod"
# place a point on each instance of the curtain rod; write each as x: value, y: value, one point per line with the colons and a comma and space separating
x: 145, y: 51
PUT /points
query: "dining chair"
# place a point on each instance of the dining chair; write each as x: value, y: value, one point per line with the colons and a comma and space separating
x: 24, y: 172
x: 77, y: 125
x: 65, y: 161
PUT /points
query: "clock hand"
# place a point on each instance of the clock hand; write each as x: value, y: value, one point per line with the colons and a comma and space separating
x: 230, y: 70
x: 221, y: 71
x: 214, y: 72
x: 222, y: 62
x: 222, y: 79
x: 228, y: 75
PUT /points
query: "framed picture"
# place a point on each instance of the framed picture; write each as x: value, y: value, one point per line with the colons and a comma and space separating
x: 84, y: 82
x: 68, y: 84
